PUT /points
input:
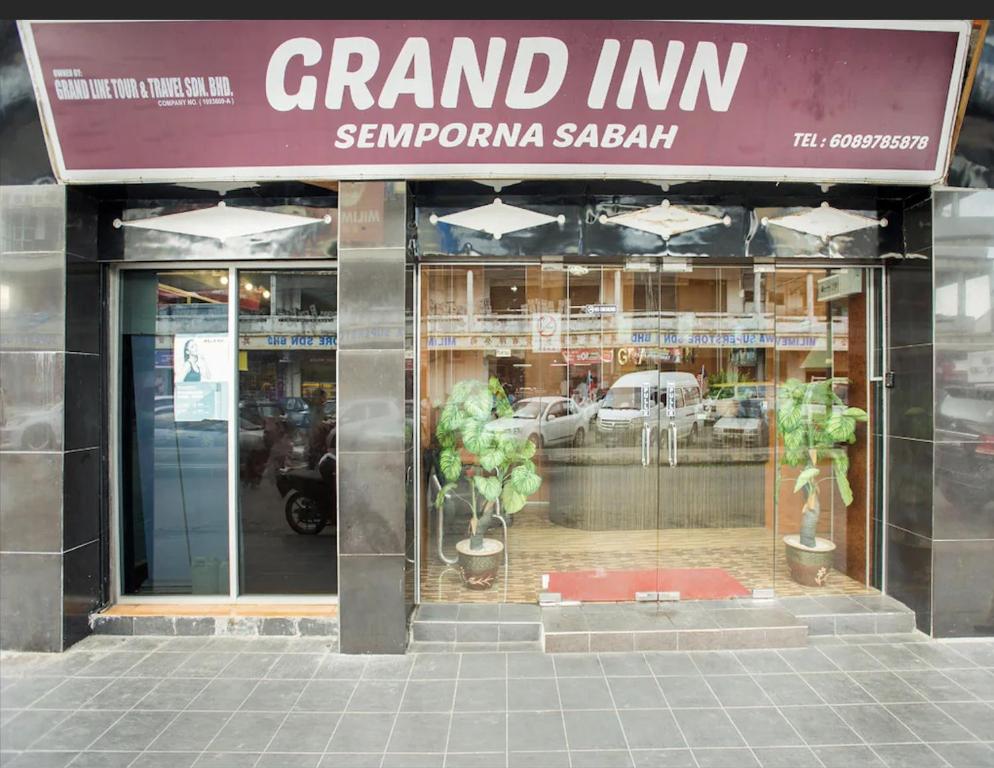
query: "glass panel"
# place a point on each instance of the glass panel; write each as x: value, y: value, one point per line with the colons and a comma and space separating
x: 287, y: 340
x: 175, y: 385
x: 718, y: 470
x: 821, y: 371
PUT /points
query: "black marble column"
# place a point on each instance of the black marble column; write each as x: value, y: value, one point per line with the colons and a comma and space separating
x: 371, y: 417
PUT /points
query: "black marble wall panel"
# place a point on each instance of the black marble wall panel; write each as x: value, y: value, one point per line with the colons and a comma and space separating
x: 371, y: 418
x: 909, y: 476
x: 964, y: 588
x: 909, y: 573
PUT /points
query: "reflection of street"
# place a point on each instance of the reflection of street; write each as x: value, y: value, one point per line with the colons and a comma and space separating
x: 275, y: 559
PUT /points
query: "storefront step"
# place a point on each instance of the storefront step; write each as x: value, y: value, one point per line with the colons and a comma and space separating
x: 869, y: 614
x: 225, y: 620
x: 671, y: 627
x: 473, y: 626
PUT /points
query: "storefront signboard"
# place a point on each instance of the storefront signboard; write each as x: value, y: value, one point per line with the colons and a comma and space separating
x: 861, y: 101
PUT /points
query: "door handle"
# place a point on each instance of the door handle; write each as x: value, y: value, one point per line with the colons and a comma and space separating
x: 645, y: 446
x: 673, y: 444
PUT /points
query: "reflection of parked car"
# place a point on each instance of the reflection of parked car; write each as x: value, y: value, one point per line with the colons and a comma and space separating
x: 545, y: 421
x: 297, y: 411
x: 964, y: 467
x: 621, y: 418
x: 747, y: 400
x: 257, y: 411
x: 32, y: 430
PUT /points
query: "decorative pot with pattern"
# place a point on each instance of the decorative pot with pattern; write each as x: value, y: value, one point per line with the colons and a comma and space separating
x: 809, y: 566
x: 479, y: 566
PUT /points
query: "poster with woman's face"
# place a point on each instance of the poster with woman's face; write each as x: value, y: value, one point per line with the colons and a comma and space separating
x: 200, y: 376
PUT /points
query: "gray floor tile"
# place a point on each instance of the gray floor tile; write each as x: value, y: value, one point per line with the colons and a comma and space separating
x: 165, y: 760
x: 121, y: 694
x: 808, y: 660
x: 205, y: 664
x: 707, y: 728
x: 929, y: 723
x: 135, y: 730
x: 304, y: 732
x: 962, y: 755
x: 295, y: 666
x: 478, y: 732
x: 376, y: 696
x: 853, y: 756
x: 360, y: 732
x: 875, y: 724
x: 616, y: 758
x: 936, y: 686
x: 909, y: 756
x: 670, y: 663
x: 979, y: 682
x: 287, y: 760
x: 725, y: 758
x: 252, y: 666
x: 535, y: 731
x: 72, y: 693
x: 412, y: 760
x: 624, y: 665
x: 224, y: 695
x: 481, y: 696
x: 325, y: 695
x: 593, y: 729
x: 529, y: 665
x: 190, y: 731
x: 851, y: 658
x: 119, y: 759
x: 112, y: 664
x: 273, y: 696
x: 227, y: 760
x: 532, y: 694
x: 941, y: 656
x: 664, y: 758
x: 886, y: 687
x: 838, y: 688
x: 820, y: 726
x: 737, y: 691
x: 158, y: 664
x: 538, y: 760
x: 687, y: 692
x: 762, y: 661
x: 173, y: 693
x: 435, y: 666
x: 20, y: 731
x: 77, y: 731
x: 651, y: 729
x: 483, y: 666
x: 340, y: 667
x: 41, y: 760
x: 787, y: 757
x: 980, y: 652
x: 419, y: 732
x: 636, y: 693
x: 584, y: 693
x: 388, y: 668
x: 475, y: 759
x: 896, y: 657
x: 428, y: 696
x: 23, y: 691
x: 578, y: 665
x: 246, y: 732
x: 353, y: 760
x: 977, y: 718
x: 787, y: 689
x: 764, y: 727
x: 717, y: 663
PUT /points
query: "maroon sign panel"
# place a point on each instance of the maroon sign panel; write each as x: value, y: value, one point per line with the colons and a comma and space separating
x: 172, y: 100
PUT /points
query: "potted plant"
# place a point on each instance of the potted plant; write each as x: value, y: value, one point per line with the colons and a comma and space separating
x: 497, y: 464
x: 815, y: 426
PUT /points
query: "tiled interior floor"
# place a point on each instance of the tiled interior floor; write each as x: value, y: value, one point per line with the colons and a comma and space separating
x: 845, y: 701
x: 754, y: 556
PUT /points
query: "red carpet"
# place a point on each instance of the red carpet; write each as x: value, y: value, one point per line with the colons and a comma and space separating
x: 621, y: 586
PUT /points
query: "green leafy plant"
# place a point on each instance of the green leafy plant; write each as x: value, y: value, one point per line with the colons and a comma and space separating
x: 815, y: 425
x: 721, y: 385
x: 500, y: 469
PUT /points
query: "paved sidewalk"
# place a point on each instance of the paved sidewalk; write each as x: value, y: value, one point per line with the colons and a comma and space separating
x: 850, y: 702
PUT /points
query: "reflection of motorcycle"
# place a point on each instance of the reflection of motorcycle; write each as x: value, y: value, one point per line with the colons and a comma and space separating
x: 310, y: 495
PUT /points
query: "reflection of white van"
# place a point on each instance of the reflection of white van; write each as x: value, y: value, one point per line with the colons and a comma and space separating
x: 620, y: 417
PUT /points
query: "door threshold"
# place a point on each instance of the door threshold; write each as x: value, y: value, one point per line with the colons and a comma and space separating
x: 259, y: 610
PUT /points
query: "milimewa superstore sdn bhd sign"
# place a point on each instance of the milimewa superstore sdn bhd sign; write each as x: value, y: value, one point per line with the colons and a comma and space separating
x: 249, y: 100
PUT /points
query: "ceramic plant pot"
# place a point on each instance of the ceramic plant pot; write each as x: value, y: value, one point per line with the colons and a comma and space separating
x: 479, y: 566
x: 809, y: 566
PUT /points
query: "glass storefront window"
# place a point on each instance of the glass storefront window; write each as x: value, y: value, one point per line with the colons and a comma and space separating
x: 175, y: 389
